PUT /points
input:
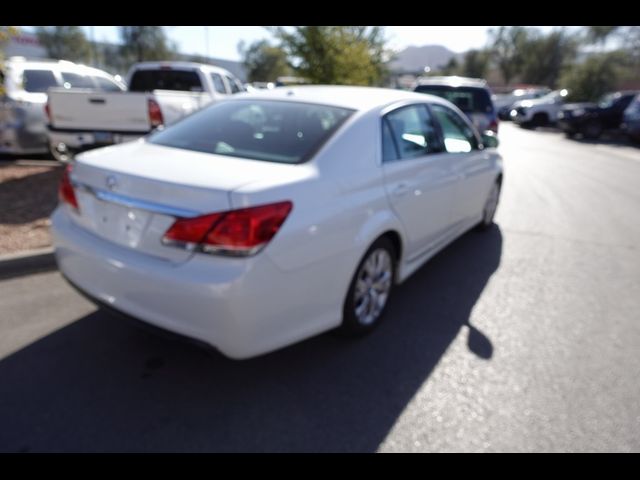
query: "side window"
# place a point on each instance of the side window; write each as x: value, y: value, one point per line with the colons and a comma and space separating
x: 38, y: 80
x: 412, y: 132
x: 218, y: 84
x: 458, y: 136
x: 232, y: 84
x: 73, y: 80
x: 106, y: 85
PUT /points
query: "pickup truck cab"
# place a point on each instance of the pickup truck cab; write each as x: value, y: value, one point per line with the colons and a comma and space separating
x: 158, y: 94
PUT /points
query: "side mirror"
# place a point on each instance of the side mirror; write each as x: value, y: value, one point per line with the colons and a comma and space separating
x: 490, y: 139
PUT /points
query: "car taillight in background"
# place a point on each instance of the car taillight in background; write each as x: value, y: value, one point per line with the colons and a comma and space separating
x: 47, y: 111
x: 241, y: 232
x: 155, y: 114
x: 493, y: 126
x: 66, y: 194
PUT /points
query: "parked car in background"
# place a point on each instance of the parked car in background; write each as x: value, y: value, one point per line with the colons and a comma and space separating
x: 503, y: 103
x: 592, y: 119
x: 26, y: 82
x: 159, y: 94
x: 471, y: 95
x: 276, y: 215
x: 539, y: 112
x: 631, y: 120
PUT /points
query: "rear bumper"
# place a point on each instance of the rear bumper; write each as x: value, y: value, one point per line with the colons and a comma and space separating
x: 242, y: 307
x: 76, y: 141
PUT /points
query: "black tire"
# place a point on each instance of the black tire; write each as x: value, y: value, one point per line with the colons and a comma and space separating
x: 351, y: 325
x: 487, y: 222
x: 570, y: 134
x: 540, y: 120
x: 592, y: 130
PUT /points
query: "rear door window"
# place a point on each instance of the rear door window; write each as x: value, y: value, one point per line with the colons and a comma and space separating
x: 181, y: 80
x: 218, y: 83
x: 457, y: 134
x: 74, y: 80
x: 38, y: 80
x: 412, y: 131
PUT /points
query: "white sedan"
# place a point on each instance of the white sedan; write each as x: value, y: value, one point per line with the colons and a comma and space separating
x: 273, y: 216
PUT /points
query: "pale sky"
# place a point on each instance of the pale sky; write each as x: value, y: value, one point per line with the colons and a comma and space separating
x: 222, y: 41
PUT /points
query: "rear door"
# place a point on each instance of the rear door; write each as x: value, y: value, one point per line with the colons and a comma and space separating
x: 418, y: 176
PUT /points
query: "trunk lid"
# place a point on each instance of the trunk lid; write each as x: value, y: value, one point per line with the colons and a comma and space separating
x: 131, y: 194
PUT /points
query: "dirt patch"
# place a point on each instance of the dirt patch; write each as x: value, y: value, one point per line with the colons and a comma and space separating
x: 28, y: 196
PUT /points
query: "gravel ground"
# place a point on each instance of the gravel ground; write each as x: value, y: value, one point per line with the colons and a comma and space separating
x: 28, y: 195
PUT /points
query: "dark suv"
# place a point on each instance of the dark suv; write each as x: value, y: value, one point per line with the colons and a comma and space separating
x: 590, y: 119
x: 471, y: 95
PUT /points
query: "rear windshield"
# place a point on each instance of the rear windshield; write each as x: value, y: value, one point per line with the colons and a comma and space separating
x: 38, y: 80
x: 272, y: 131
x: 467, y: 99
x: 149, y: 80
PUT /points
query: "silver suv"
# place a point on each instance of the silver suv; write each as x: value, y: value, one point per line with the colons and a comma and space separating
x: 22, y: 115
x: 471, y: 95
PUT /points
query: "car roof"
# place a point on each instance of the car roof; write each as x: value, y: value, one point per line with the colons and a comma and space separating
x: 453, y: 81
x: 180, y: 65
x: 351, y: 97
x: 22, y: 63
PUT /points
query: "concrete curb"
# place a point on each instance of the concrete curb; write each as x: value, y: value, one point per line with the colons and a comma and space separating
x: 23, y: 263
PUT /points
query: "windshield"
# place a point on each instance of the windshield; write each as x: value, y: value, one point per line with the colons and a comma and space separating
x: 467, y: 99
x: 554, y: 96
x: 272, y: 131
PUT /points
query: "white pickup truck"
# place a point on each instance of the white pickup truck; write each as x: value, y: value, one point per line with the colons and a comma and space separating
x: 159, y: 94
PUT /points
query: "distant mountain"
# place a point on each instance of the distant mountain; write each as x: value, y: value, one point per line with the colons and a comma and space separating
x: 414, y: 59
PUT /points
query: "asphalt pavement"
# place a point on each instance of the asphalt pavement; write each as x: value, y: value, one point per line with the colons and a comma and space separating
x: 524, y: 338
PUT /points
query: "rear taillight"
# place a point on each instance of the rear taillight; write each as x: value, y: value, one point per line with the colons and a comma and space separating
x: 240, y: 232
x: 47, y: 111
x: 66, y: 193
x: 155, y: 114
x: 493, y: 126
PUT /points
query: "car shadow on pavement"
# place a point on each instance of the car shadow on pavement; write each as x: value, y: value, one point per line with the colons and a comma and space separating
x: 29, y: 198
x: 100, y: 384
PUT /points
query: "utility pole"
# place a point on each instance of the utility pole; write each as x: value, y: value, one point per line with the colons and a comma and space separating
x: 206, y: 39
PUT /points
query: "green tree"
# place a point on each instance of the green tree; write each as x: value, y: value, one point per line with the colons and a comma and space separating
x: 475, y: 63
x: 6, y: 32
x: 507, y: 50
x: 264, y: 62
x: 546, y: 56
x: 451, y: 68
x: 349, y: 55
x: 596, y: 76
x: 65, y: 43
x: 144, y: 43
